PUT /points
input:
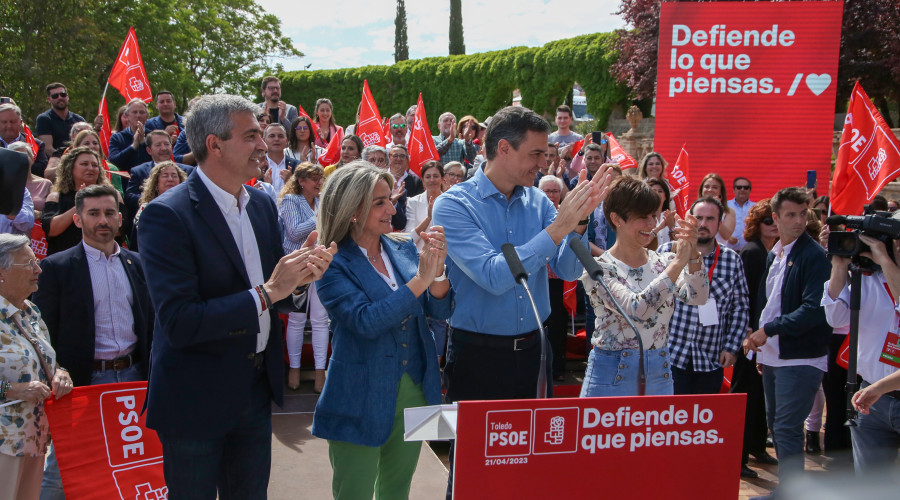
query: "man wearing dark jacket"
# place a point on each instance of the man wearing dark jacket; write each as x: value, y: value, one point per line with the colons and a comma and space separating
x: 792, y: 342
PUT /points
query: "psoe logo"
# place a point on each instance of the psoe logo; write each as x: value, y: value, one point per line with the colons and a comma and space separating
x: 876, y: 163
x: 508, y: 433
x: 557, y: 430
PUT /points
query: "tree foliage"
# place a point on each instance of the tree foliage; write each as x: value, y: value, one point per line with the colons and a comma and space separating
x: 457, y: 45
x: 188, y: 46
x: 477, y: 84
x: 870, y: 49
x: 401, y: 42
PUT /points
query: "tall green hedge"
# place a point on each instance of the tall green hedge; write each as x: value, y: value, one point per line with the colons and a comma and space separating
x: 477, y: 84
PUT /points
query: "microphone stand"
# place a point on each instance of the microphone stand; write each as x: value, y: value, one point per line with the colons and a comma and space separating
x: 855, y: 301
x: 521, y: 277
x: 596, y: 273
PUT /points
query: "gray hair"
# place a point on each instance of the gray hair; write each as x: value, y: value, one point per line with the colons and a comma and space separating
x: 396, y: 116
x: 348, y: 196
x: 11, y: 107
x: 211, y: 115
x: 374, y: 148
x: 22, y: 148
x: 454, y: 164
x: 136, y: 100
x: 446, y: 114
x: 411, y: 109
x: 78, y: 127
x: 547, y: 179
x: 10, y: 243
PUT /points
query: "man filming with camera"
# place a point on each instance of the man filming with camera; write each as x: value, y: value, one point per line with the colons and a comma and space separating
x: 876, y: 438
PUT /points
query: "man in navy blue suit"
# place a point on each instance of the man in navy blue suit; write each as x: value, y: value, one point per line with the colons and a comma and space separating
x: 126, y: 148
x: 216, y: 274
x: 159, y: 145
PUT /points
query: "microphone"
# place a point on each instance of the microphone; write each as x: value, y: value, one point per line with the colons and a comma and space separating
x: 521, y: 277
x: 594, y: 271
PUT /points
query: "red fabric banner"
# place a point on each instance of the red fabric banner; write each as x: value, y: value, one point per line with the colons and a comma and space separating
x: 128, y: 74
x: 106, y: 129
x: 369, y: 128
x: 734, y: 75
x: 680, y: 184
x: 332, y: 153
x: 421, y: 145
x: 569, y: 295
x: 102, y: 445
x: 868, y: 157
x: 843, y: 357
x: 619, y: 155
x: 38, y: 241
x: 576, y: 147
x: 29, y: 138
x: 315, y: 128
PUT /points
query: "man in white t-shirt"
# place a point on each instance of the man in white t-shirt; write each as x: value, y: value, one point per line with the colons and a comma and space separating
x: 741, y: 205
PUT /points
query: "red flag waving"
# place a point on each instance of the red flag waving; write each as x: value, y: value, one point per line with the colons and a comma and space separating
x: 619, y: 155
x: 128, y: 74
x: 421, y: 145
x: 29, y: 138
x: 332, y: 153
x: 106, y: 130
x: 576, y: 147
x: 369, y: 128
x: 679, y: 184
x: 315, y: 128
x: 868, y: 157
x: 569, y: 297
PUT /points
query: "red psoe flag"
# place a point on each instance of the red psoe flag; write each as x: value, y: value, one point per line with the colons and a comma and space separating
x: 106, y: 129
x: 332, y: 153
x: 679, y: 183
x: 29, y: 138
x: 868, y: 157
x: 369, y: 128
x: 576, y: 147
x: 569, y: 297
x: 619, y: 155
x: 421, y: 145
x: 128, y: 75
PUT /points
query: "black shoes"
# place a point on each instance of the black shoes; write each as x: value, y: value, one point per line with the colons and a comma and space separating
x: 765, y: 458
x: 812, y: 443
x: 748, y: 472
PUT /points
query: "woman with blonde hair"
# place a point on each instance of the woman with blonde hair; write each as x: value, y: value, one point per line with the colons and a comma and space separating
x: 163, y: 177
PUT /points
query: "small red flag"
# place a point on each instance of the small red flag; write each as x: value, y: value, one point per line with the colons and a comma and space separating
x: 315, y: 128
x: 29, y: 138
x: 369, y: 128
x: 868, y: 157
x: 679, y: 183
x: 576, y: 147
x: 421, y: 145
x: 569, y: 295
x: 106, y: 129
x: 128, y: 74
x: 619, y: 155
x: 332, y: 153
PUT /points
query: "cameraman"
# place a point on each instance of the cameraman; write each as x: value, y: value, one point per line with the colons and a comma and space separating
x: 876, y: 438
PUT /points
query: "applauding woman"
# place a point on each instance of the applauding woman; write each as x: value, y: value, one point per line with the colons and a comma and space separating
x: 418, y: 208
x: 645, y: 283
x: 378, y: 293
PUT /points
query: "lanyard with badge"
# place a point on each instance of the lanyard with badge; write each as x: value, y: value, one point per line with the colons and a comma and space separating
x: 709, y: 314
x: 890, y: 353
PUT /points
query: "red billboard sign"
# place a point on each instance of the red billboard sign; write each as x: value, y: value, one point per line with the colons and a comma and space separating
x: 600, y: 447
x: 751, y: 88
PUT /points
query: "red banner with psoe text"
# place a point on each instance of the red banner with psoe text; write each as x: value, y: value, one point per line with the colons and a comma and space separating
x: 618, y: 154
x: 421, y: 144
x: 104, y: 449
x: 369, y: 129
x: 128, y: 74
x: 680, y: 184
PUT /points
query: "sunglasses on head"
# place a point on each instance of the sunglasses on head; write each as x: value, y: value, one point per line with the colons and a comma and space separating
x: 58, y: 95
x: 768, y: 221
x: 747, y: 187
x: 395, y: 125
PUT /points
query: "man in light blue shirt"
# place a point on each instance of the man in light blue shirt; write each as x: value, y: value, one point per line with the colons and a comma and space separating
x: 22, y: 222
x: 741, y: 205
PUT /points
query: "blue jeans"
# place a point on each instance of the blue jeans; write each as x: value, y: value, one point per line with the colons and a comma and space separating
x: 51, y: 483
x: 615, y: 373
x: 876, y: 438
x: 236, y: 464
x: 790, y: 392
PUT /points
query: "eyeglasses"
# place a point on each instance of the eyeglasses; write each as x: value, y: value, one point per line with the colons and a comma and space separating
x: 768, y: 221
x: 747, y: 187
x: 395, y: 125
x: 301, y: 127
x: 58, y: 95
x: 31, y: 263
x: 453, y: 175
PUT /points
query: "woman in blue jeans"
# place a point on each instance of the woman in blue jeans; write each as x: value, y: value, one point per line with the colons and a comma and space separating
x: 645, y: 283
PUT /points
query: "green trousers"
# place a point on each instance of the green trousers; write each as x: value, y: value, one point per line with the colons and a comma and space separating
x: 386, y: 470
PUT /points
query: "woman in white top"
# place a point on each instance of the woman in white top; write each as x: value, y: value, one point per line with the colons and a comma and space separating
x: 665, y: 221
x: 418, y: 208
x: 302, y: 143
x: 645, y: 283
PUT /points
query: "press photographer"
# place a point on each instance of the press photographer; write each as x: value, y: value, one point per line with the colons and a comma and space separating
x: 875, y: 436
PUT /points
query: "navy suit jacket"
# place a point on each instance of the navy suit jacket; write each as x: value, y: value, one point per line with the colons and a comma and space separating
x: 206, y: 321
x: 359, y: 401
x: 122, y: 155
x: 136, y: 184
x: 181, y: 147
x: 66, y: 300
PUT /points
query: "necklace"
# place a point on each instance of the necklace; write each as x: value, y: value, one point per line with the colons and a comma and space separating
x: 371, y: 258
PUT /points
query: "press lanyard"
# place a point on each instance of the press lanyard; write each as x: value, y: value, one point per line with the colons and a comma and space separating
x: 715, y: 261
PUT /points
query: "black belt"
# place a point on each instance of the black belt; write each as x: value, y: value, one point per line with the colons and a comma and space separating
x: 113, y: 364
x: 512, y: 342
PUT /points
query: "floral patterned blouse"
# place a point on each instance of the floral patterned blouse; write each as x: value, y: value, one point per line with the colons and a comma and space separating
x: 646, y: 294
x: 24, y: 430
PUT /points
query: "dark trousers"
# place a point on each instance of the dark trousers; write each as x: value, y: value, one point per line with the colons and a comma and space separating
x: 557, y: 326
x: 236, y: 465
x: 746, y: 380
x: 837, y: 435
x: 694, y: 382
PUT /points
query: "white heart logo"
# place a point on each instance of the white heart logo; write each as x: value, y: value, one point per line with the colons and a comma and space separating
x: 818, y: 83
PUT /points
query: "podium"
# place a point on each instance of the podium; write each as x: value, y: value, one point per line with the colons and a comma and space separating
x: 624, y: 447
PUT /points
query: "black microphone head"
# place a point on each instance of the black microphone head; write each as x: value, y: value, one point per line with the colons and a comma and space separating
x: 584, y: 255
x: 513, y: 261
x: 835, y: 220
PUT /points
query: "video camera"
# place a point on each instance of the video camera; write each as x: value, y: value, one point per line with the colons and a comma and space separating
x: 879, y: 225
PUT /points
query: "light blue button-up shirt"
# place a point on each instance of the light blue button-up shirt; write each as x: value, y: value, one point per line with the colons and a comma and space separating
x: 23, y: 223
x: 477, y: 220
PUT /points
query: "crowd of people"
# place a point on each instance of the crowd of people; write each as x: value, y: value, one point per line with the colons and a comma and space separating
x: 181, y: 249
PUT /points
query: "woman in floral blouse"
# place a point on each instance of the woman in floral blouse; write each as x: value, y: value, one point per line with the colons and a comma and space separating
x: 28, y: 373
x: 645, y: 283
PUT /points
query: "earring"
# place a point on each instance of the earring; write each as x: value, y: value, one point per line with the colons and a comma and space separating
x: 353, y: 220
